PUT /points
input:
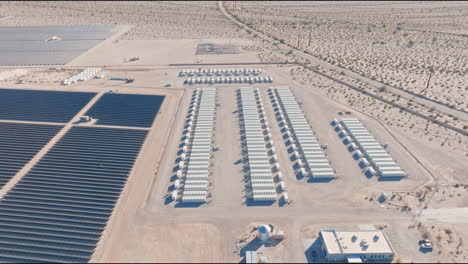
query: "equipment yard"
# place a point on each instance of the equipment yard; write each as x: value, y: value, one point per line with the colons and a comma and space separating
x: 211, y: 134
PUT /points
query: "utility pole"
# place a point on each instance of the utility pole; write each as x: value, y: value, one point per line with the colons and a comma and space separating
x: 310, y: 35
x: 428, y: 80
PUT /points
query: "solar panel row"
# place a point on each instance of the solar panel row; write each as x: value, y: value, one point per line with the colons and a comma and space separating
x: 51, y: 46
x: 18, y: 145
x: 31, y: 45
x: 30, y: 58
x: 42, y: 33
x: 58, y: 210
x: 126, y: 109
x: 41, y: 106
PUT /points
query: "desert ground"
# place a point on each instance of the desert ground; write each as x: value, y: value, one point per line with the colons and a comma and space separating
x: 387, y: 50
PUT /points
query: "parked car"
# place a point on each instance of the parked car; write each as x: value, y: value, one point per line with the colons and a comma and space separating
x: 425, y: 244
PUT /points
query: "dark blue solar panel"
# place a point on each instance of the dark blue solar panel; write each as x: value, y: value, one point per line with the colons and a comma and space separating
x: 41, y: 106
x: 58, y: 210
x: 126, y: 109
x: 19, y: 143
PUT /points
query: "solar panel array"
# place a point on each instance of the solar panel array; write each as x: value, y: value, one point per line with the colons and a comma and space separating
x: 196, y: 175
x: 28, y: 45
x: 19, y: 143
x: 41, y: 106
x: 42, y: 33
x: 381, y: 160
x: 261, y: 178
x: 59, y: 209
x: 135, y: 110
x: 41, y: 46
x: 32, y: 58
x: 299, y: 130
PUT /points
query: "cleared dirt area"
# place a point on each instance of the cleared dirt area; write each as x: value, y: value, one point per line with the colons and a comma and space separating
x: 169, y: 243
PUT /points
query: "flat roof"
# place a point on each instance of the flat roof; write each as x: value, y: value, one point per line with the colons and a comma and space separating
x: 354, y: 242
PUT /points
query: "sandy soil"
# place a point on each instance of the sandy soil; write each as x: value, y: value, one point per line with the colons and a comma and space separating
x: 397, y: 43
x: 172, y: 243
x: 160, y: 52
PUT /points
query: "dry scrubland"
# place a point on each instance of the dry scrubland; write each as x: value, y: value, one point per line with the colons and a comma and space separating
x: 388, y: 115
x: 152, y: 20
x: 397, y: 43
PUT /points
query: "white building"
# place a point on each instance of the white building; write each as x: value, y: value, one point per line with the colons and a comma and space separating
x: 356, y: 246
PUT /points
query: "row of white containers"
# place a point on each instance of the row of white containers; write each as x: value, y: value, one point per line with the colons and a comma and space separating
x: 307, y: 149
x: 232, y: 79
x: 261, y: 178
x: 82, y: 76
x: 197, y: 149
x: 359, y: 136
x: 220, y: 72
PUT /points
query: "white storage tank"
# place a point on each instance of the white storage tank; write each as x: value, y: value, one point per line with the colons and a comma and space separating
x: 174, y: 195
x: 263, y: 233
x: 300, y: 163
x: 359, y: 153
x: 277, y: 165
x: 303, y: 172
x: 176, y: 184
x: 365, y: 162
x: 282, y: 186
x: 280, y: 175
x: 179, y: 174
x: 285, y: 197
